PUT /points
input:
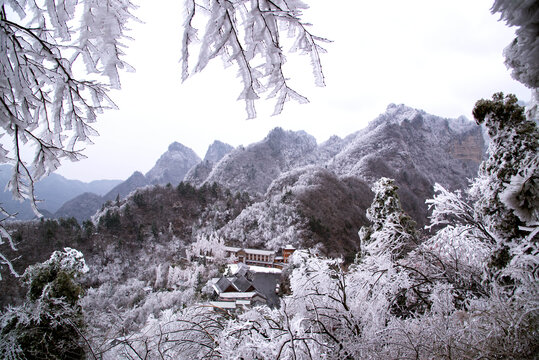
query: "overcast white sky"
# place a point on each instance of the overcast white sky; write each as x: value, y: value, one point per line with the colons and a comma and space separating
x: 440, y: 56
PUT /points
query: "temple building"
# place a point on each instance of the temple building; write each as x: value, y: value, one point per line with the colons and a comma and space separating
x: 256, y: 257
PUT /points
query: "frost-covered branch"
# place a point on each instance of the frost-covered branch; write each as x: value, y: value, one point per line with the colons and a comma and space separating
x: 48, y: 97
x: 522, y: 55
x: 248, y: 32
x: 46, y: 102
x: 451, y: 208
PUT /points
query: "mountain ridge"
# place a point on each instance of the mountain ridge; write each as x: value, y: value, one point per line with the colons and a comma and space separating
x: 410, y: 145
x: 52, y: 191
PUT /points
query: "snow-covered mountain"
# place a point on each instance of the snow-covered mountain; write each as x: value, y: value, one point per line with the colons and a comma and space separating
x: 308, y: 207
x: 52, y: 191
x: 324, y: 204
x: 172, y: 166
x: 216, y: 151
x: 415, y: 148
x: 136, y: 180
x: 254, y: 167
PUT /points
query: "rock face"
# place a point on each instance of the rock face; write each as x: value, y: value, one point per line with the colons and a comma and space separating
x: 173, y: 165
x: 253, y: 168
x: 216, y: 151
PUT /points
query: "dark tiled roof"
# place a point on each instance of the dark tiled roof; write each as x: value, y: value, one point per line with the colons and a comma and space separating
x: 242, y: 284
x: 223, y: 284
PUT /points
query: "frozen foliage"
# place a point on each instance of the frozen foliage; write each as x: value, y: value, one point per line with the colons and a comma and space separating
x: 207, y: 246
x: 305, y: 207
x: 46, y: 101
x: 522, y: 55
x: 271, y: 224
x: 249, y: 33
x: 392, y: 230
x: 57, y: 63
x: 191, y: 333
x: 506, y: 188
x: 116, y: 308
x: 49, y: 323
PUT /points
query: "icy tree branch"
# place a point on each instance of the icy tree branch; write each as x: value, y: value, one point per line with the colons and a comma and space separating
x: 248, y: 33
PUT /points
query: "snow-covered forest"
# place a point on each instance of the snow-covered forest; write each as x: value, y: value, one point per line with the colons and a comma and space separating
x: 135, y: 281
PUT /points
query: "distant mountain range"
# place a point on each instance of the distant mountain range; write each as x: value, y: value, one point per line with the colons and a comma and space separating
x: 413, y: 147
x: 53, y: 191
x: 171, y: 168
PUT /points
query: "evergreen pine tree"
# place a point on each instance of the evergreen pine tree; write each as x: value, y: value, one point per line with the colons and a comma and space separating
x: 507, y: 181
x: 505, y: 192
x: 392, y: 230
x: 47, y: 325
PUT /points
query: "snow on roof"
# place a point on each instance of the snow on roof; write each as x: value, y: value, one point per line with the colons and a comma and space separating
x: 250, y: 251
x: 263, y: 269
x: 224, y: 304
x: 240, y: 295
x: 233, y: 268
x: 260, y: 252
x: 241, y: 270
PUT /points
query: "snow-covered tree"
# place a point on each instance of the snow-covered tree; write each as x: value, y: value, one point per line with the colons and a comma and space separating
x: 58, y: 60
x: 205, y: 246
x: 505, y: 191
x: 392, y: 230
x: 49, y: 324
x: 191, y: 333
x: 250, y: 33
x: 522, y: 55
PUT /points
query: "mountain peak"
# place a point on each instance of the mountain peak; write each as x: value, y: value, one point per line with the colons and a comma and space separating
x: 405, y: 115
x: 176, y: 147
x: 216, y: 151
x: 397, y: 114
x: 173, y: 165
x: 278, y: 139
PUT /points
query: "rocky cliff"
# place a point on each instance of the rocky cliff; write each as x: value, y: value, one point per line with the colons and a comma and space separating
x: 254, y: 167
x: 172, y: 166
x: 216, y: 151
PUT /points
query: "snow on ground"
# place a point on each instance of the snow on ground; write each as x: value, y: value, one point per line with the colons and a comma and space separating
x: 232, y: 268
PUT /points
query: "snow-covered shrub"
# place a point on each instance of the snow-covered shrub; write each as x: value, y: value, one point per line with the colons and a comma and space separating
x: 49, y: 324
